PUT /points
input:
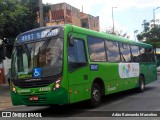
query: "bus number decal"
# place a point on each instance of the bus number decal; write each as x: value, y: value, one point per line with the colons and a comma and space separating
x: 128, y: 70
x: 93, y: 67
x: 38, y: 35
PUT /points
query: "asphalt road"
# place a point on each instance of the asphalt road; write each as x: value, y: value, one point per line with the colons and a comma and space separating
x: 130, y: 100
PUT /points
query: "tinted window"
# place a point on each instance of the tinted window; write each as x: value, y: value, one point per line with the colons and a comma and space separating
x: 125, y: 52
x: 112, y: 50
x: 144, y: 56
x: 135, y: 53
x: 151, y: 55
x: 76, y: 55
x: 96, y: 49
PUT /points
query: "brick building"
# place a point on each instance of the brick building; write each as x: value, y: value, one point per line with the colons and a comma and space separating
x: 64, y: 13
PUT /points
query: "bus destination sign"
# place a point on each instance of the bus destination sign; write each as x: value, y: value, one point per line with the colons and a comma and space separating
x: 38, y: 34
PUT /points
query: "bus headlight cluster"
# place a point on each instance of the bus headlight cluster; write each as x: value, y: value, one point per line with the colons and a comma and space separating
x: 13, y: 87
x: 57, y: 84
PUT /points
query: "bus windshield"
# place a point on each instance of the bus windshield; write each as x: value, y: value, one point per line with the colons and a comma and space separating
x: 46, y: 55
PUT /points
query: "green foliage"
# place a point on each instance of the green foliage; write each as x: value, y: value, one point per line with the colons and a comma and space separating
x: 150, y: 33
x: 16, y: 16
x: 2, y: 56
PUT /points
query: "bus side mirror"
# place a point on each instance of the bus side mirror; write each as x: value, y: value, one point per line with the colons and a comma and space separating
x: 71, y: 40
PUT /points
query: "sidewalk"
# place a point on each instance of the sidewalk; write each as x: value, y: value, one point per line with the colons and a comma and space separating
x: 5, y: 100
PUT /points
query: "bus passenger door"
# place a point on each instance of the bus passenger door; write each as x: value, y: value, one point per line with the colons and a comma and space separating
x: 78, y: 71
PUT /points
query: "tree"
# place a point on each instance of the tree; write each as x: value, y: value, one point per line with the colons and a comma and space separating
x: 16, y: 16
x: 150, y: 33
x: 116, y: 32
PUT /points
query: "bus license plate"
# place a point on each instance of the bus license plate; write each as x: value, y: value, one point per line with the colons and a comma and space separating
x: 33, y: 98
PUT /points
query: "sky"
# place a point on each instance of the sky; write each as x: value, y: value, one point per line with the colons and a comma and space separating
x: 128, y: 14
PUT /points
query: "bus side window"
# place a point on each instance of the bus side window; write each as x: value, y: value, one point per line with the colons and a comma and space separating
x: 135, y: 53
x: 96, y: 49
x: 144, y: 55
x: 112, y: 51
x: 151, y: 55
x: 77, y: 55
x: 125, y: 52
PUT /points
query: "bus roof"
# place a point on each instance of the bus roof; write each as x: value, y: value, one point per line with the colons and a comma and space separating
x: 39, y: 33
x: 107, y: 36
x: 41, y: 28
x: 92, y: 33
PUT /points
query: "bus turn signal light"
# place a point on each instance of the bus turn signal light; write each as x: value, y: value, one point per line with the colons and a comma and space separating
x: 57, y: 84
x: 13, y: 87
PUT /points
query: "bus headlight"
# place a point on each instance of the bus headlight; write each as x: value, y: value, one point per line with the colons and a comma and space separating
x: 13, y: 88
x: 57, y: 84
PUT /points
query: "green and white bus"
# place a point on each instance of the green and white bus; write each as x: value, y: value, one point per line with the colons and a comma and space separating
x: 66, y: 64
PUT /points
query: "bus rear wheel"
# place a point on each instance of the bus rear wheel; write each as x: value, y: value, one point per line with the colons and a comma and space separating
x: 141, y: 84
x: 95, y: 95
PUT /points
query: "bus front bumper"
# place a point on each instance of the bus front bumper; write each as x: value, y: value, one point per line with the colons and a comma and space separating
x: 59, y: 96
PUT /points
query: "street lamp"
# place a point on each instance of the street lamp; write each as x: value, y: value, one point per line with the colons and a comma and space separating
x: 154, y: 14
x: 113, y: 18
x: 41, y: 13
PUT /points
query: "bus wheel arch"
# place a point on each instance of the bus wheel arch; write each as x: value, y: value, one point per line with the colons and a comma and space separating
x: 97, y: 91
x: 141, y: 83
x: 101, y: 84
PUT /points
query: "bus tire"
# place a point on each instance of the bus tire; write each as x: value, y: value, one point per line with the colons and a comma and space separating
x: 141, y: 84
x: 95, y: 95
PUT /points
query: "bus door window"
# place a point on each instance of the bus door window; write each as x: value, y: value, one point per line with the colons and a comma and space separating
x: 77, y: 55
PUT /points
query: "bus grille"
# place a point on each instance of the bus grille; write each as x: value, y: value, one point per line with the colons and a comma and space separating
x: 33, y: 84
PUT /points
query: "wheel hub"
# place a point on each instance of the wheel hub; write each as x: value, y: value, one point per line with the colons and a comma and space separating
x: 96, y: 95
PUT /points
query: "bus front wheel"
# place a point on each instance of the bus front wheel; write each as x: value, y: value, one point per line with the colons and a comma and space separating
x: 141, y: 84
x: 95, y: 95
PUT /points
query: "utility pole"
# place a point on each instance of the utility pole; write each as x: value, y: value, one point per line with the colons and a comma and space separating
x: 41, y: 13
x: 113, y: 18
x: 154, y: 20
x: 135, y: 31
x: 154, y: 15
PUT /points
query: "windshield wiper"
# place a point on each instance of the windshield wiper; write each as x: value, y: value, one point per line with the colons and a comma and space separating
x: 45, y: 44
x: 51, y: 30
x: 25, y: 49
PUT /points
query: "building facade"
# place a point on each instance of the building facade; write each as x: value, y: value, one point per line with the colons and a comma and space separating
x: 90, y: 22
x: 64, y: 13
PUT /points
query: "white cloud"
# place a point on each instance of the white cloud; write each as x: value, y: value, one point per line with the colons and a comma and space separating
x: 103, y: 8
x: 146, y: 3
